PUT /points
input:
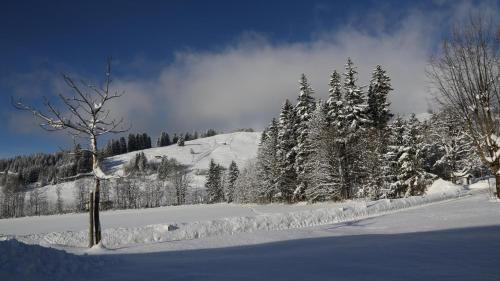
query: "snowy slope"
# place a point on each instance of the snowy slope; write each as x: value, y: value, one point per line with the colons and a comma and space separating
x: 224, y: 148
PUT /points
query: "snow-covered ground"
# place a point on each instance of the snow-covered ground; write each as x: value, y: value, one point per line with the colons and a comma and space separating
x: 449, y: 234
x: 454, y: 239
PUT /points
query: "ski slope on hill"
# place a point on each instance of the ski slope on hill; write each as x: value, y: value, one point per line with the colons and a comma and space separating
x: 223, y: 148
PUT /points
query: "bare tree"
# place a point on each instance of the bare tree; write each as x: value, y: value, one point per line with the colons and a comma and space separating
x: 87, y: 116
x: 37, y: 202
x: 466, y: 76
x: 59, y: 202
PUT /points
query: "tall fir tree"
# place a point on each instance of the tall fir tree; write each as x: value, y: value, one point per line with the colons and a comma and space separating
x: 132, y: 143
x: 412, y: 178
x: 303, y: 111
x: 287, y: 176
x: 214, y: 183
x: 335, y: 100
x: 123, y: 145
x: 391, y: 168
x: 232, y: 176
x: 378, y: 106
x: 267, y: 162
x: 322, y: 162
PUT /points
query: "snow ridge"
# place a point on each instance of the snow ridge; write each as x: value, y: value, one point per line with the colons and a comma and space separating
x: 114, y: 238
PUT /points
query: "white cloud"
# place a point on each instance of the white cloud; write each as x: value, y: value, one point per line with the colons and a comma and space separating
x: 244, y: 84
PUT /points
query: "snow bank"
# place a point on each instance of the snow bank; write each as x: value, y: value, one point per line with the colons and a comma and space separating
x: 441, y: 186
x: 338, y: 212
x: 19, y: 261
x: 483, y: 184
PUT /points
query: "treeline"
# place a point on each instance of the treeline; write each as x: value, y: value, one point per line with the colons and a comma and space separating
x: 136, y: 142
x: 347, y: 147
x: 45, y: 168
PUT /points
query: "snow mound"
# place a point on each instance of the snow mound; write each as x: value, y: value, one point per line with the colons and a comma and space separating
x: 441, y: 186
x: 483, y: 184
x: 19, y: 261
x: 337, y: 212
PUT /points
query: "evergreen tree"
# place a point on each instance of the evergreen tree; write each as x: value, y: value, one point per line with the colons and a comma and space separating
x: 412, y: 178
x: 448, y: 152
x: 267, y: 162
x: 287, y: 177
x: 322, y: 163
x: 132, y: 143
x: 303, y: 110
x: 180, y: 142
x: 391, y: 170
x: 378, y: 106
x: 116, y: 147
x: 213, y: 184
x: 232, y: 176
x: 353, y: 113
x: 335, y: 101
x: 123, y: 145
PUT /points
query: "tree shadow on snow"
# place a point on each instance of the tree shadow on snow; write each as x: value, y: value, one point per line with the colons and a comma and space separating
x: 455, y: 254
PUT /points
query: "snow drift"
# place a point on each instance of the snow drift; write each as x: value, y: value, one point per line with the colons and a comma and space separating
x: 19, y: 261
x: 333, y: 213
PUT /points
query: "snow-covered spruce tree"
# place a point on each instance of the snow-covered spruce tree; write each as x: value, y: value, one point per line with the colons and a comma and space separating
x: 378, y: 107
x: 413, y: 179
x: 232, y: 175
x: 323, y: 180
x: 353, y: 115
x: 303, y: 110
x: 448, y: 150
x: 267, y: 163
x: 391, y: 169
x: 180, y: 141
x: 287, y: 176
x: 374, y: 142
x: 214, y: 183
x: 347, y: 114
x: 335, y: 100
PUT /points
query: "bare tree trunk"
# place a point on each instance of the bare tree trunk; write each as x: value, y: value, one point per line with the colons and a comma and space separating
x: 97, y: 223
x: 91, y: 219
x: 497, y: 183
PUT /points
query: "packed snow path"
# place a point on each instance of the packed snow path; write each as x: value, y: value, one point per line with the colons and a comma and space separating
x: 453, y: 240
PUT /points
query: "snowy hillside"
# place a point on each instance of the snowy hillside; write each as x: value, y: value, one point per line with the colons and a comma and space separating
x: 223, y: 148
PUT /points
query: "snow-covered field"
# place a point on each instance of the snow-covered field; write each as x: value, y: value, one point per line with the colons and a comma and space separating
x: 450, y: 234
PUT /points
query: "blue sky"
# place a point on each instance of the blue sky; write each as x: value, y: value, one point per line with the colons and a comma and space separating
x: 197, y: 64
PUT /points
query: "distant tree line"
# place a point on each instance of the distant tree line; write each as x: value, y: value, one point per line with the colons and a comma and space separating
x: 46, y: 168
x: 136, y: 142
